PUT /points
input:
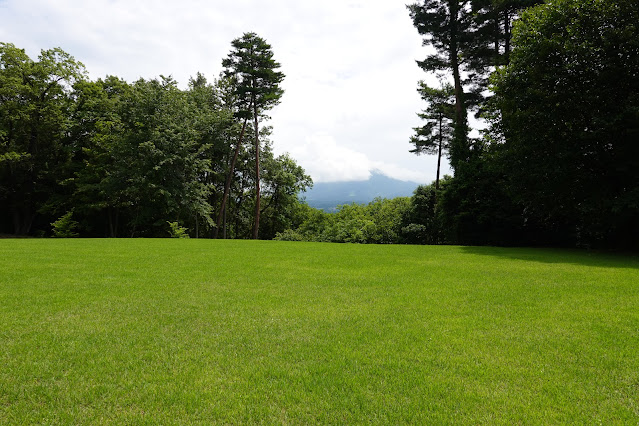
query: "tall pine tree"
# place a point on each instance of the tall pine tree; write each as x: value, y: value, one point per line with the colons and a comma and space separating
x: 447, y: 26
x: 252, y: 67
x: 435, y: 135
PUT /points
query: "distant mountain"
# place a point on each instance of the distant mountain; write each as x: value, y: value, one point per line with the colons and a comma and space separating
x: 328, y: 195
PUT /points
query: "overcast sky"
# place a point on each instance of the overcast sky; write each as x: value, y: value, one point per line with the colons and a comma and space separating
x: 350, y: 101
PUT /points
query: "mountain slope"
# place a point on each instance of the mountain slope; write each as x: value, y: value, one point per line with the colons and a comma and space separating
x: 328, y: 195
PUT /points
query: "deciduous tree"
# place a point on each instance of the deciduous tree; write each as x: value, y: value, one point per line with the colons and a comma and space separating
x: 34, y: 103
x: 568, y: 113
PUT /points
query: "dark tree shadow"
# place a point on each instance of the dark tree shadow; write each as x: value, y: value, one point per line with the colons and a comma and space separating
x: 592, y: 258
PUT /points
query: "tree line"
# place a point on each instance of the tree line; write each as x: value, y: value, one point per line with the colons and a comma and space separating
x: 557, y: 83
x: 401, y: 220
x: 114, y: 159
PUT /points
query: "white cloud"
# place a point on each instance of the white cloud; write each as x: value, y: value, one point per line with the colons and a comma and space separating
x: 400, y: 172
x: 350, y: 102
x: 326, y: 161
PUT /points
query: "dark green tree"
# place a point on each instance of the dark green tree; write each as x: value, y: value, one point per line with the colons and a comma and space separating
x: 447, y: 27
x: 165, y: 153
x: 97, y: 133
x: 239, y: 106
x: 421, y: 222
x: 492, y: 35
x: 215, y: 129
x: 470, y: 38
x: 283, y: 181
x: 34, y: 104
x: 254, y: 71
x: 435, y: 136
x: 567, y: 116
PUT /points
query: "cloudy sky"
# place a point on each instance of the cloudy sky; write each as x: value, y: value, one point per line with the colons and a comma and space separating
x: 350, y: 101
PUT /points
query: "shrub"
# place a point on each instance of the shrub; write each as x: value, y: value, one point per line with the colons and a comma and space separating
x: 65, y: 227
x: 289, y: 235
x: 178, y: 231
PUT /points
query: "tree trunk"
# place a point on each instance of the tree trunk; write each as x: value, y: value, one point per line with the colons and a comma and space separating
x: 506, y: 37
x: 439, y: 153
x: 224, y: 224
x: 236, y: 215
x: 497, y: 36
x: 22, y: 219
x: 113, y: 214
x: 117, y: 222
x: 229, y: 177
x: 110, y: 218
x: 458, y: 149
x: 256, y: 226
x: 459, y: 93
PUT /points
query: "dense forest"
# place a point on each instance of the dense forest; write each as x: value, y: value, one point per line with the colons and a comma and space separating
x: 556, y: 84
x: 109, y: 158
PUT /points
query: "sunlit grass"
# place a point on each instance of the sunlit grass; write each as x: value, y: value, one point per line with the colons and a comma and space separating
x: 200, y: 331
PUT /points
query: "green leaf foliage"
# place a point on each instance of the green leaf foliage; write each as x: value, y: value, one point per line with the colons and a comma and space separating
x: 65, y: 226
x: 253, y: 68
x: 378, y: 222
x: 569, y: 102
x: 34, y: 107
x: 127, y: 158
x: 177, y: 231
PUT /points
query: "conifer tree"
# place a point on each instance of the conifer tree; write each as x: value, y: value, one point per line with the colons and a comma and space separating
x: 253, y: 69
x: 446, y: 25
x: 435, y: 135
x: 471, y: 38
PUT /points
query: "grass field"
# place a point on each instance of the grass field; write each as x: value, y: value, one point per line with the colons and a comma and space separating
x: 199, y: 331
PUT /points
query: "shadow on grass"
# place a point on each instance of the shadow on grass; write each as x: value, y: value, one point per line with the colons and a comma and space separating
x: 593, y: 258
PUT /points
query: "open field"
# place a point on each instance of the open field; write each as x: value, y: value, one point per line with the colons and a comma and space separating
x: 201, y: 331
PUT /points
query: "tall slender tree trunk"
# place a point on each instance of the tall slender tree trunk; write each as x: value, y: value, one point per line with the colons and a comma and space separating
x: 439, y: 153
x: 497, y: 29
x: 507, y: 37
x: 22, y: 219
x: 256, y: 225
x: 458, y: 150
x: 229, y: 177
x: 113, y: 214
x: 110, y: 218
x: 117, y: 222
x: 224, y: 224
x: 460, y: 115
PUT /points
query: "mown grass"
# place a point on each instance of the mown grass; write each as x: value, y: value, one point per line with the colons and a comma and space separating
x: 196, y: 331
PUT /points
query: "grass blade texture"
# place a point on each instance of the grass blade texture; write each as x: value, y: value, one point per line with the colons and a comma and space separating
x: 202, y: 331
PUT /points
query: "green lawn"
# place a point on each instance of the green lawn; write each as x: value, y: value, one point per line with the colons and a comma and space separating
x: 200, y: 331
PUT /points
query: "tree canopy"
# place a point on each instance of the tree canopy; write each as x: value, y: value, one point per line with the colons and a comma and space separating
x: 115, y: 159
x: 557, y: 164
x: 252, y: 70
x: 557, y: 84
x: 569, y: 117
